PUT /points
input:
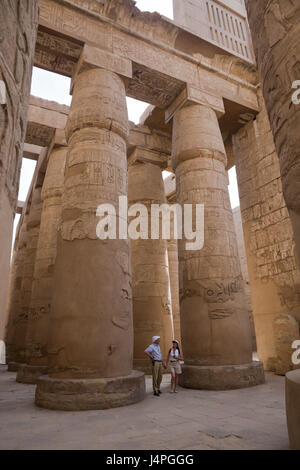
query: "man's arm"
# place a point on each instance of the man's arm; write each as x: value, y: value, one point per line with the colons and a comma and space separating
x: 149, y: 355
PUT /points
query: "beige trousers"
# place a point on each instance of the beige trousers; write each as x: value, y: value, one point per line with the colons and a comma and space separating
x: 156, y: 376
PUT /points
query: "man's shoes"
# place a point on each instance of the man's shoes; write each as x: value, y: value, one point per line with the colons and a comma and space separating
x: 159, y: 392
x: 156, y: 394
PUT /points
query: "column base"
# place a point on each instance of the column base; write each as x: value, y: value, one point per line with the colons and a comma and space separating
x: 29, y: 374
x: 222, y: 377
x: 13, y: 366
x: 90, y: 394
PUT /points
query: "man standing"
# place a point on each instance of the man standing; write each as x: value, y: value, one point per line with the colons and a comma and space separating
x: 154, y: 354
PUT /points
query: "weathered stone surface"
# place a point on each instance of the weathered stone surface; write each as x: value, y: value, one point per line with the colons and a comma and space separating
x: 222, y: 377
x: 275, y: 28
x: 42, y: 285
x: 14, y: 304
x: 223, y: 23
x: 152, y: 308
x: 272, y: 261
x: 164, y: 56
x: 237, y: 218
x: 90, y: 394
x: 44, y: 117
x: 172, y: 245
x: 28, y: 374
x: 18, y: 26
x: 32, y: 236
x: 170, y: 192
x: 96, y: 172
x: 91, y: 334
x: 214, y: 322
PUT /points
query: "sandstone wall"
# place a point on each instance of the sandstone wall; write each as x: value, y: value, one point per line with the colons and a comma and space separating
x: 272, y: 262
x: 18, y: 25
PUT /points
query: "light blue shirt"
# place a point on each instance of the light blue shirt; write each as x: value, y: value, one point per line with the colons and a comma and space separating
x: 154, y: 350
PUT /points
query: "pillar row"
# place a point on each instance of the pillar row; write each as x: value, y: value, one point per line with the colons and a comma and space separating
x: 152, y: 308
x: 32, y: 235
x: 214, y: 322
x: 14, y: 303
x: 91, y: 332
x: 42, y: 286
x: 172, y: 245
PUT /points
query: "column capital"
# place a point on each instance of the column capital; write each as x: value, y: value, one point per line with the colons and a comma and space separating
x: 196, y: 133
x: 193, y: 95
x: 93, y: 57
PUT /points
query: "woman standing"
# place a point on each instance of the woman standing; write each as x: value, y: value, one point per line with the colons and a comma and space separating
x: 173, y: 359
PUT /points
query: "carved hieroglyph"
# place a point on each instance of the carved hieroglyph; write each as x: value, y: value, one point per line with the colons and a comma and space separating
x: 271, y: 255
x: 164, y: 56
x: 275, y: 28
x: 152, y: 309
x: 214, y: 321
x: 18, y: 25
x: 42, y: 286
x: 91, y: 331
x: 91, y: 320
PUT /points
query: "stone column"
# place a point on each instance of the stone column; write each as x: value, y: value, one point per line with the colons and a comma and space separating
x: 237, y: 219
x: 42, y: 286
x: 91, y: 334
x: 14, y: 304
x: 272, y: 260
x: 152, y: 310
x: 32, y: 235
x: 275, y: 32
x: 172, y: 245
x: 214, y: 323
x: 18, y: 27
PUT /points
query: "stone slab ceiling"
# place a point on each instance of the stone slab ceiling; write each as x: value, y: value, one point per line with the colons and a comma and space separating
x: 56, y: 53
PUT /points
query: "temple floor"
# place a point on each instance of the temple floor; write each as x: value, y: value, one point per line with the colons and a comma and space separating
x: 252, y: 418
